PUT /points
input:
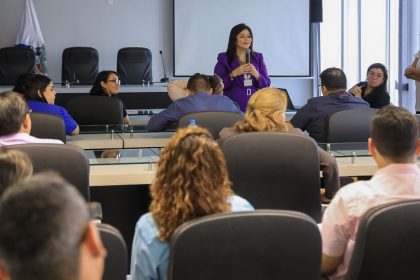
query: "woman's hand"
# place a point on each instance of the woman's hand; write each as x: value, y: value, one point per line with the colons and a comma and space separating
x: 356, y: 91
x: 245, y: 69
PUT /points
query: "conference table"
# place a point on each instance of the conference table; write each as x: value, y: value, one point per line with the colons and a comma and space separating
x: 136, y: 153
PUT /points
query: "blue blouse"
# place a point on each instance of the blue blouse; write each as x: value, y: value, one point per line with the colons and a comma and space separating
x: 42, y: 107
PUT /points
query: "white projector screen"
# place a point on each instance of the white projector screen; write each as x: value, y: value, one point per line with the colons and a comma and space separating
x: 281, y: 31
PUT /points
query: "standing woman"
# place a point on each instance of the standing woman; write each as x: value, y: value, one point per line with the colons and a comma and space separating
x: 373, y: 90
x: 413, y: 72
x: 241, y: 79
x: 40, y: 95
x: 108, y: 83
x: 191, y: 182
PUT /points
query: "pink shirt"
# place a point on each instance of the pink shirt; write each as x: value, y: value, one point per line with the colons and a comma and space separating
x: 25, y: 138
x: 341, y: 218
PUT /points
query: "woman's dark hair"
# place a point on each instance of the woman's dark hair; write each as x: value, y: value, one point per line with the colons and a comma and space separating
x: 231, y: 49
x: 382, y: 87
x: 37, y: 84
x: 23, y: 82
x: 97, y: 88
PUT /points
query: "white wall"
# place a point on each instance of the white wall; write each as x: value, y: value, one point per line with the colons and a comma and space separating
x: 109, y: 25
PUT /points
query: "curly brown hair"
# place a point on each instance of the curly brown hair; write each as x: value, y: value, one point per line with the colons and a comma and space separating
x: 191, y: 181
x: 260, y: 109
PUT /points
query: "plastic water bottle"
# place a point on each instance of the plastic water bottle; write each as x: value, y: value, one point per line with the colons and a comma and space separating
x: 192, y: 122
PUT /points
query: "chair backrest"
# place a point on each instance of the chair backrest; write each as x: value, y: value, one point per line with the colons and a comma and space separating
x: 134, y: 65
x: 92, y: 110
x: 48, y: 126
x: 265, y: 244
x: 15, y: 61
x: 274, y: 170
x: 349, y: 125
x: 388, y: 243
x: 68, y: 160
x: 80, y: 64
x: 116, y: 258
x: 214, y: 121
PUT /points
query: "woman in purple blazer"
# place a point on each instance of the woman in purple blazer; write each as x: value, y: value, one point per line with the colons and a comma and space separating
x: 243, y: 71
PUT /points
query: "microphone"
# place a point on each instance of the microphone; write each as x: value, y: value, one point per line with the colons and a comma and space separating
x: 247, y: 60
x: 362, y: 84
x: 247, y: 56
x: 165, y: 78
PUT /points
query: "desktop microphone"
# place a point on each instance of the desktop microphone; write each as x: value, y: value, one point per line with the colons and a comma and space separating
x: 165, y: 78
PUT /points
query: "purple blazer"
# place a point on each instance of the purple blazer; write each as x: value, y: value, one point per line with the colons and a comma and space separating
x: 235, y: 89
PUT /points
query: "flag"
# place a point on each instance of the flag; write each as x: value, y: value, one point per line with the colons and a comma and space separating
x: 30, y: 36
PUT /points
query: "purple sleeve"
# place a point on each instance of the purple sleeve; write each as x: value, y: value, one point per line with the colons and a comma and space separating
x: 223, y: 69
x: 264, y: 80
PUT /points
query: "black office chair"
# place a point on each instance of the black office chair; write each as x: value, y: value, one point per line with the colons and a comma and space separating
x: 275, y: 170
x: 95, y: 110
x: 80, y: 65
x: 214, y: 121
x: 388, y: 243
x: 15, y: 61
x: 116, y: 258
x: 265, y: 244
x: 48, y: 126
x: 134, y: 65
x: 68, y: 160
x: 349, y: 125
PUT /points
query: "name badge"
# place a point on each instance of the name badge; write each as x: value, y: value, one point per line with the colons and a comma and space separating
x: 247, y: 82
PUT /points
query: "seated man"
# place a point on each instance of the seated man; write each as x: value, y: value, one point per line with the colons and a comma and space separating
x: 313, y: 116
x: 15, y: 121
x: 45, y: 233
x: 394, y: 145
x: 200, y: 99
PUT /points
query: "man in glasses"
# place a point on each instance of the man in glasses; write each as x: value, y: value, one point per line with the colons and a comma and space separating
x: 15, y: 121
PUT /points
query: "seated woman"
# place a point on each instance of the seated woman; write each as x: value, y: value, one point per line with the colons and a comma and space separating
x: 191, y: 182
x: 178, y: 88
x: 107, y: 83
x: 265, y: 112
x: 40, y: 95
x: 15, y: 166
x: 373, y: 90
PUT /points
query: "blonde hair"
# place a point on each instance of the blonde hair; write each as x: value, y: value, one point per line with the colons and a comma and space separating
x: 191, y: 181
x: 260, y: 109
x: 15, y: 166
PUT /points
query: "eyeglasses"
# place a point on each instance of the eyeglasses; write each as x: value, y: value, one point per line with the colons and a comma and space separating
x: 116, y: 81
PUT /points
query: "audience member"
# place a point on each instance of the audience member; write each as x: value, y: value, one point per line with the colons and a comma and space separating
x: 45, y: 233
x: 265, y: 112
x: 23, y: 83
x: 178, y: 88
x: 313, y: 116
x: 40, y: 95
x: 393, y: 144
x: 108, y: 83
x: 191, y: 182
x: 15, y: 121
x: 413, y: 72
x: 243, y: 71
x: 14, y: 167
x: 373, y: 90
x: 200, y: 99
